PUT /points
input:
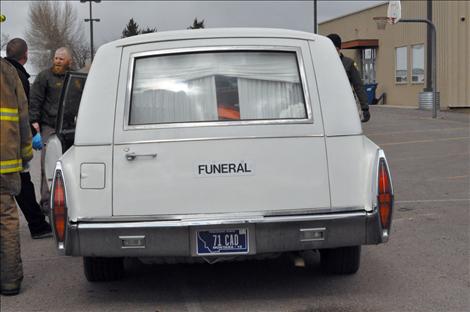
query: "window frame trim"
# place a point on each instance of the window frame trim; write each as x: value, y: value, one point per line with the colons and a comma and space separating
x: 224, y: 48
x: 407, y: 66
x: 412, y: 61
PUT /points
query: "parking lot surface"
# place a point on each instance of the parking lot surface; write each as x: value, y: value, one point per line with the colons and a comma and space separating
x: 424, y: 267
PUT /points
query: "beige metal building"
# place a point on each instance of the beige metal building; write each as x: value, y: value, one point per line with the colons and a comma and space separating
x: 395, y: 57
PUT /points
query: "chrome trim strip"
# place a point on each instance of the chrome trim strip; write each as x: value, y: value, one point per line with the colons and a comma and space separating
x: 343, y: 135
x: 92, y: 145
x: 221, y: 138
x: 60, y: 245
x: 204, y: 222
x: 227, y: 215
x: 382, y: 155
x: 303, y: 80
x: 215, y: 36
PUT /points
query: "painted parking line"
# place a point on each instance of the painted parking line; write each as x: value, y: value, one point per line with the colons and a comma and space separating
x: 432, y: 200
x: 416, y: 131
x: 458, y: 177
x: 424, y: 141
x: 395, y: 159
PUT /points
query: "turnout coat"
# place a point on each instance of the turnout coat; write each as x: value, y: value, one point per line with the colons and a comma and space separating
x: 15, y: 144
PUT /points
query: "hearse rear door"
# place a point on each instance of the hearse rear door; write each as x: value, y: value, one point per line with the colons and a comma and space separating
x: 233, y: 157
x: 69, y: 102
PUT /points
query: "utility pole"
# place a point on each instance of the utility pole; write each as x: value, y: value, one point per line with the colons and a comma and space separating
x: 315, y: 22
x: 91, y: 20
x: 429, y: 49
x: 430, y: 60
x: 430, y: 93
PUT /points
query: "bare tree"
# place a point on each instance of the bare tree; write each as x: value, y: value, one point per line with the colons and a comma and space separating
x: 53, y: 25
x: 5, y: 39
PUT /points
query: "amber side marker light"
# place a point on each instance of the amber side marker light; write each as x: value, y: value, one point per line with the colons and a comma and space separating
x: 59, y: 207
x: 385, y: 195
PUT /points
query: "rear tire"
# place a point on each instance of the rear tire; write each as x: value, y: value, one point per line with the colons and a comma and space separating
x: 343, y: 260
x: 103, y: 269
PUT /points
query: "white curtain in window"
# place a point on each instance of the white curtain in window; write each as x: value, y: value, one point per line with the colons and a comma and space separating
x: 261, y: 99
x: 274, y: 66
x: 174, y: 101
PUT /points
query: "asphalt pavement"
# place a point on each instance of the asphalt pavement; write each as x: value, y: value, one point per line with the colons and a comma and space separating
x: 424, y: 267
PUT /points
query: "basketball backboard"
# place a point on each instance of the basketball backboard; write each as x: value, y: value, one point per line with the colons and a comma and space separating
x: 394, y: 11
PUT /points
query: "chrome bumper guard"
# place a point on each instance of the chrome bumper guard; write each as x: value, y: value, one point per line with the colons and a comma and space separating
x: 267, y: 234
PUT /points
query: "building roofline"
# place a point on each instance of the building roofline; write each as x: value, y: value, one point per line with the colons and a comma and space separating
x: 352, y: 13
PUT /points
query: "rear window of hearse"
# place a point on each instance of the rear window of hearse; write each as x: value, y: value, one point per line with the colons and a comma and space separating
x: 216, y: 86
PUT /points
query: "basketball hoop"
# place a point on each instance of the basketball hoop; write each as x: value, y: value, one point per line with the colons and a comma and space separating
x: 382, y: 21
x: 393, y: 15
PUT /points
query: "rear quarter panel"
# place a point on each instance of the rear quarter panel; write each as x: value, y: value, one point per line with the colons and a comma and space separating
x: 87, y: 202
x: 339, y: 110
x: 352, y: 166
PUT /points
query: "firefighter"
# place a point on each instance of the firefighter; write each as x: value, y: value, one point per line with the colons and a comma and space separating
x: 17, y: 55
x: 353, y: 76
x: 15, y: 153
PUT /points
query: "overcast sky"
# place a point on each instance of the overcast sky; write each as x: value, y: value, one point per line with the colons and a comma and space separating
x: 174, y: 15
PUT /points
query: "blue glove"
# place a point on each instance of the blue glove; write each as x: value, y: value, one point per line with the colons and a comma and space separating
x: 37, y: 142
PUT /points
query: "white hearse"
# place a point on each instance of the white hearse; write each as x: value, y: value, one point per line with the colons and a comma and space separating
x: 215, y: 144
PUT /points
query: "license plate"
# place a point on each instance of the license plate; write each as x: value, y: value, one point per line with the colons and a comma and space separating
x: 226, y: 241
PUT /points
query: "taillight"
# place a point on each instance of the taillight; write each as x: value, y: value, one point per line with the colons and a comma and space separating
x: 59, y: 207
x: 384, y: 195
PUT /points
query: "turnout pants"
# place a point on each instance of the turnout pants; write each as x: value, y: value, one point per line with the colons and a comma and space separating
x: 10, y: 257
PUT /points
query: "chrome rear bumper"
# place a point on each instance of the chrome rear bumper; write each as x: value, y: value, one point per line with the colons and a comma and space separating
x: 267, y: 234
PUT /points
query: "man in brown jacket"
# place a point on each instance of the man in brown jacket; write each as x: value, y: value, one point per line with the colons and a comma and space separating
x: 15, y: 153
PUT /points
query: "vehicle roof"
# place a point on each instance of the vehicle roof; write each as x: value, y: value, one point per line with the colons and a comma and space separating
x: 214, y: 33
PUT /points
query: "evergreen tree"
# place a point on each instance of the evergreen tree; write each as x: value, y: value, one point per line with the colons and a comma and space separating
x: 197, y: 24
x: 148, y: 30
x: 131, y: 29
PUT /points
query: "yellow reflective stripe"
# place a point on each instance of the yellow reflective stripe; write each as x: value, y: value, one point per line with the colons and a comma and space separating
x: 9, y: 114
x: 9, y: 166
x: 10, y: 162
x: 27, y: 151
x: 9, y: 118
x: 9, y: 110
x: 11, y: 170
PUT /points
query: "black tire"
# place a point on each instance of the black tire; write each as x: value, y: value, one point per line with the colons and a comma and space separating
x: 103, y: 269
x: 344, y: 260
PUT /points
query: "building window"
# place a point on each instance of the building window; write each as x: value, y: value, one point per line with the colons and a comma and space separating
x: 417, y: 73
x: 401, y: 65
x: 368, y: 65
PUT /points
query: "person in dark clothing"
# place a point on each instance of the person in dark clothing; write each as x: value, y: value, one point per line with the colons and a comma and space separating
x: 17, y: 55
x: 353, y: 76
x: 44, y: 106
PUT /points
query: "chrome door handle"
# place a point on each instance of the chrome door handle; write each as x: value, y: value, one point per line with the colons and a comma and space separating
x: 132, y: 156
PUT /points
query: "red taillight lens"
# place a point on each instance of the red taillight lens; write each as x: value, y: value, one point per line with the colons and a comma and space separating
x: 59, y: 207
x: 385, y: 195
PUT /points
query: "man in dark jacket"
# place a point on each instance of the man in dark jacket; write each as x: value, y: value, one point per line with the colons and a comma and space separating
x: 17, y: 55
x: 44, y: 105
x: 353, y: 76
